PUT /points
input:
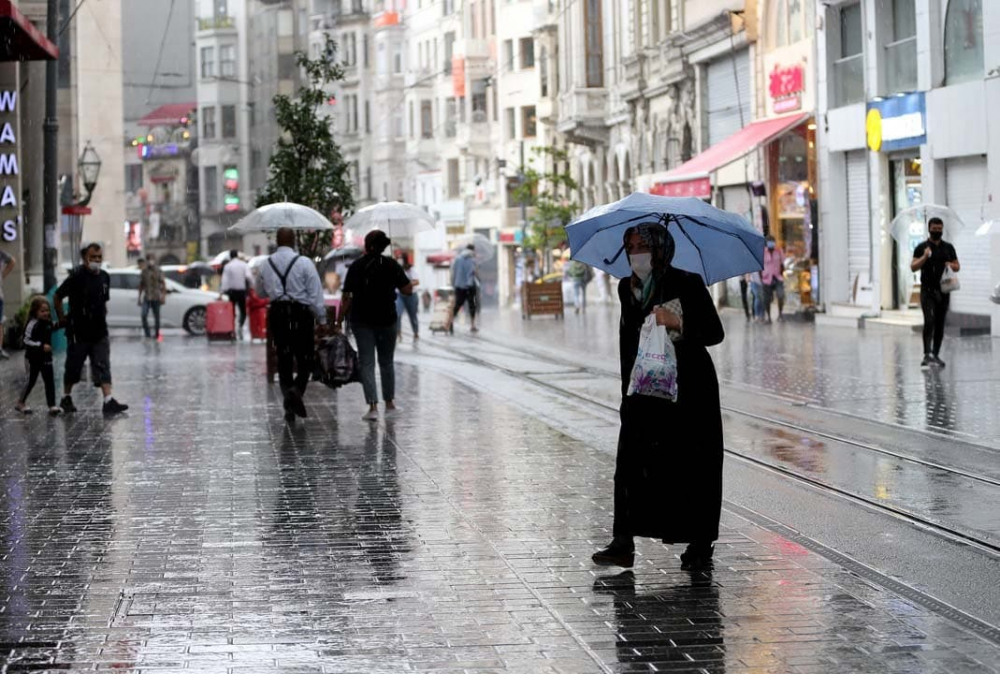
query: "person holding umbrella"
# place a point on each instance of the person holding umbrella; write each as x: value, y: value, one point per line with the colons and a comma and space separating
x: 668, y: 471
x: 931, y: 258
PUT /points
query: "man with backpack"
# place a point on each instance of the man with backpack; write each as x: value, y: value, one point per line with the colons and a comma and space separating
x: 581, y: 274
x: 293, y: 285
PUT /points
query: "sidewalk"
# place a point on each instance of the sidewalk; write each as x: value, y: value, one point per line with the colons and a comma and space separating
x: 867, y: 374
x: 199, y: 534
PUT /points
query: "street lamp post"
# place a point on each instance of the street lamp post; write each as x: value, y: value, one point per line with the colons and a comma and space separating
x: 89, y: 166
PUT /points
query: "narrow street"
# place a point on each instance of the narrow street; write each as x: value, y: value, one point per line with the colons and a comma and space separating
x: 199, y: 533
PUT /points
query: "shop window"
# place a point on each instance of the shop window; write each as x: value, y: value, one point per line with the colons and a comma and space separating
x: 901, y: 50
x: 963, y: 41
x: 848, y: 68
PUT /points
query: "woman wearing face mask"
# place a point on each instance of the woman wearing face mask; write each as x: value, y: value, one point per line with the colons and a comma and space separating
x: 668, y: 473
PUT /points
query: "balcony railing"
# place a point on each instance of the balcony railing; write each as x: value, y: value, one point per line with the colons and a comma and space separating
x: 216, y: 22
x: 901, y: 66
x: 849, y: 80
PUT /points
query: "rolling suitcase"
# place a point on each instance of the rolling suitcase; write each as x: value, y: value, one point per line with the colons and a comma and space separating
x: 220, y: 321
x: 441, y: 319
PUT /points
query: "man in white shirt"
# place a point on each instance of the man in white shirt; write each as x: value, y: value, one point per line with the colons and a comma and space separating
x: 236, y: 279
x: 293, y: 285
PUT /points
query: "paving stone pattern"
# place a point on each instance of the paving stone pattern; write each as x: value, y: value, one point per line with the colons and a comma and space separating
x: 199, y: 534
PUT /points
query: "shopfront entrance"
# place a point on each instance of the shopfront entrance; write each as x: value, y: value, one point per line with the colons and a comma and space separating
x: 907, y: 190
x: 792, y: 207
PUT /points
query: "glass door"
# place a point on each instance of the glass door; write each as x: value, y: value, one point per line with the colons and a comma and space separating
x: 907, y: 191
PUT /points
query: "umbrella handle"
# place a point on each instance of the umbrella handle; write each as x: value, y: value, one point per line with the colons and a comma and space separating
x: 617, y: 255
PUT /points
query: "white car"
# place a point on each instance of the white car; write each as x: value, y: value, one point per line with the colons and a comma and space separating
x: 184, y: 307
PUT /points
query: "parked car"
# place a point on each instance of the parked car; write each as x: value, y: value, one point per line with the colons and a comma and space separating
x: 184, y: 307
x: 194, y: 276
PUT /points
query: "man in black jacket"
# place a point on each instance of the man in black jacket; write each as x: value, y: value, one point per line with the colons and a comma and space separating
x: 932, y: 258
x: 88, y: 289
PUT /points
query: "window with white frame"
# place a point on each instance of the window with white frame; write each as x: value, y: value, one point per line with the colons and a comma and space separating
x: 227, y: 60
x: 963, y: 41
x: 207, y: 62
x: 848, y: 80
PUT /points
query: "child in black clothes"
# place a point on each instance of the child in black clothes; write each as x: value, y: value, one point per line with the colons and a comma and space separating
x: 38, y: 355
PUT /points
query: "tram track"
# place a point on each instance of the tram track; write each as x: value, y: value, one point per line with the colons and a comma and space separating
x: 912, y: 517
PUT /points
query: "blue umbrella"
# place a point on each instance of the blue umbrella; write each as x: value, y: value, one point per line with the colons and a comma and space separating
x: 712, y: 243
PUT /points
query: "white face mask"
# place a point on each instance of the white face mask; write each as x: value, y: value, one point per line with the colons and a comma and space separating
x: 642, y: 264
x: 94, y: 266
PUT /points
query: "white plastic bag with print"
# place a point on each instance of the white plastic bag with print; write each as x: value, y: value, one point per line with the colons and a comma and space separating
x: 655, y: 370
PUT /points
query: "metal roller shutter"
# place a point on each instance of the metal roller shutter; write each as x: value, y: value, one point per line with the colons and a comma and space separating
x: 965, y: 179
x: 727, y: 92
x: 859, y: 231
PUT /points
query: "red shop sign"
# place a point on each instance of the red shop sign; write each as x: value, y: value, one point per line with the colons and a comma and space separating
x: 786, y: 87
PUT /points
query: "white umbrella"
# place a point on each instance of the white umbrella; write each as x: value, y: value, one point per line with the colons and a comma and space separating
x: 485, y: 250
x: 273, y: 217
x: 395, y: 218
x: 988, y: 227
x: 913, y: 222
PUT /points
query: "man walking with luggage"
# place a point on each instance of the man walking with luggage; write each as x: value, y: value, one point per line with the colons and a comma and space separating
x: 932, y: 257
x: 292, y: 284
x: 152, y: 295
x: 236, y: 279
x: 88, y: 289
x: 463, y: 279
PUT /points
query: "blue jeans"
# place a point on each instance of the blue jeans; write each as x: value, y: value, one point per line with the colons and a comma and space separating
x: 580, y: 294
x: 147, y: 306
x: 383, y: 342
x: 410, y: 304
x: 758, y: 299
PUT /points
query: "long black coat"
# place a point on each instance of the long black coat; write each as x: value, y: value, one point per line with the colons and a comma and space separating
x: 668, y: 473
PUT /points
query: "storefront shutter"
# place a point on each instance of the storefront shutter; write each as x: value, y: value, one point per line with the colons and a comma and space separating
x: 965, y: 179
x: 727, y: 91
x: 859, y: 231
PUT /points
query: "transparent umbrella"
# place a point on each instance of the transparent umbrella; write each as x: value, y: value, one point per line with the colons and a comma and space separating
x: 988, y: 227
x: 273, y: 217
x: 485, y: 250
x: 911, y: 224
x: 396, y: 218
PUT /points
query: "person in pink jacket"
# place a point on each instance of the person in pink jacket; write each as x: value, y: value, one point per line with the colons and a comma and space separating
x: 773, y: 277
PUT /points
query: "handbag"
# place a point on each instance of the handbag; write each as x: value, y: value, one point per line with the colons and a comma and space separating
x: 655, y: 371
x: 949, y: 281
x: 337, y: 362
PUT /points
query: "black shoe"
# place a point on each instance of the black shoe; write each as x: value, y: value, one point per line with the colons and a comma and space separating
x: 938, y: 361
x: 697, y: 557
x: 294, y: 404
x: 927, y: 361
x: 114, y: 407
x: 67, y: 405
x: 614, y: 555
x: 290, y: 417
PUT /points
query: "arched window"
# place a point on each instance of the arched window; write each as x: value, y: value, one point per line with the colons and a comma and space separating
x: 963, y: 41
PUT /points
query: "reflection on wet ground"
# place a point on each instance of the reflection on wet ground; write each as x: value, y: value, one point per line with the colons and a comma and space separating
x: 199, y: 533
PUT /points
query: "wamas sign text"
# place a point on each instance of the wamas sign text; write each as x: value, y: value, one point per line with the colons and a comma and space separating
x: 8, y: 166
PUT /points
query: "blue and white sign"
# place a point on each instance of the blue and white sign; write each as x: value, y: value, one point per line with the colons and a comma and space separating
x: 897, y: 123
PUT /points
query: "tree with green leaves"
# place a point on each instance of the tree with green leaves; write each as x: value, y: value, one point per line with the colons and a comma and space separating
x: 549, y: 191
x: 307, y: 166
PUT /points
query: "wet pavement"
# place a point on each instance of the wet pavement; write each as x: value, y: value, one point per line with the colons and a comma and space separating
x: 198, y: 533
x: 867, y: 374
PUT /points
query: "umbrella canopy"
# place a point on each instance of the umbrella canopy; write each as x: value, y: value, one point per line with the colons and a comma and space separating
x: 712, y: 243
x: 912, y: 223
x: 345, y: 253
x: 257, y: 261
x: 988, y: 227
x: 221, y: 259
x: 485, y: 250
x: 273, y: 217
x: 396, y: 218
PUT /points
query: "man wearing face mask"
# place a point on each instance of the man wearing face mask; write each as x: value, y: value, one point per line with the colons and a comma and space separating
x: 88, y: 289
x: 931, y: 258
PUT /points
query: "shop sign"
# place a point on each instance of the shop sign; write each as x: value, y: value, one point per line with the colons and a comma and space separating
x: 786, y: 87
x: 896, y: 123
x: 9, y: 227
x: 696, y: 187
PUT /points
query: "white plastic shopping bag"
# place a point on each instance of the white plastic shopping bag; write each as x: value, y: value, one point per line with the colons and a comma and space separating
x: 655, y: 370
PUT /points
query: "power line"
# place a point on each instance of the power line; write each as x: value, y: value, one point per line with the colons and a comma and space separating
x: 159, y: 57
x: 69, y: 19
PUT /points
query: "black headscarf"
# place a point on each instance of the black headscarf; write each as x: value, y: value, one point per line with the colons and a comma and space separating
x: 662, y: 247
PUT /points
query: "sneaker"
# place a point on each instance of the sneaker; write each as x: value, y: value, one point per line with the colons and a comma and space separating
x: 114, y: 407
x: 4, y: 355
x: 389, y: 413
x: 67, y: 405
x: 370, y: 415
x: 22, y: 408
x: 938, y: 361
x: 55, y: 411
x: 614, y: 556
x: 927, y: 361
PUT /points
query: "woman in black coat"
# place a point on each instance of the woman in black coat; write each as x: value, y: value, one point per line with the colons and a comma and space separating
x: 668, y: 473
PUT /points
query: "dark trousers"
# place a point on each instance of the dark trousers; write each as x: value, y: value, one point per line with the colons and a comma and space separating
x: 380, y: 341
x: 743, y: 296
x: 148, y: 306
x: 40, y: 364
x: 935, y: 307
x: 292, y: 329
x: 463, y: 295
x: 239, y: 298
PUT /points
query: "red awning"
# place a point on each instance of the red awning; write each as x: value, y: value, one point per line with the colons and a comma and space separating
x: 20, y: 40
x: 171, y: 114
x: 692, y: 178
x: 443, y: 258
